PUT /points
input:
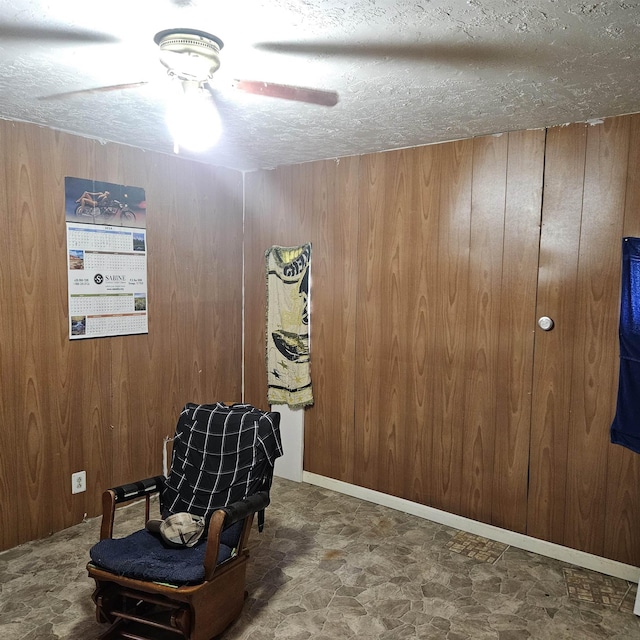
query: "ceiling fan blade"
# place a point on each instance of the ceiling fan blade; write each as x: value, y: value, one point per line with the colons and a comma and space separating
x: 439, y: 52
x: 113, y: 87
x: 62, y: 34
x: 288, y: 92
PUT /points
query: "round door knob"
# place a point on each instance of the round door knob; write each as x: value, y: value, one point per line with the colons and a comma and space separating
x: 545, y: 323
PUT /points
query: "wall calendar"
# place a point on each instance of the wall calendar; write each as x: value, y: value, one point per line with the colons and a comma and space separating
x: 106, y: 258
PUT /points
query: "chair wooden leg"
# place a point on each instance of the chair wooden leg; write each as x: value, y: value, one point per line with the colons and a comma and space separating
x: 200, y: 613
x: 125, y: 608
x: 112, y: 631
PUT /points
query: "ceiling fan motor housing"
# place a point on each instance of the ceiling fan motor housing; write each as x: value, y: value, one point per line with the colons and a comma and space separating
x: 189, y: 54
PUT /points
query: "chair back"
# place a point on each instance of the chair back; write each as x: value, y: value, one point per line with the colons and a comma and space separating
x: 221, y: 454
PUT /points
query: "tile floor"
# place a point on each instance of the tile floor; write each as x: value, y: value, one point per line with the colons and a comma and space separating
x: 328, y: 566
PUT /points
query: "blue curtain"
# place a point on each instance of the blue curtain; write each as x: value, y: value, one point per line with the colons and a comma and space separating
x: 625, y: 429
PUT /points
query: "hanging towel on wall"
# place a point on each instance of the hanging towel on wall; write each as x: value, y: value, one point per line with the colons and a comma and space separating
x: 625, y: 429
x: 288, y: 366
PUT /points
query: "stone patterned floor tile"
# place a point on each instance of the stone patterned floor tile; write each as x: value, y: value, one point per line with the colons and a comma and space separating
x: 331, y: 567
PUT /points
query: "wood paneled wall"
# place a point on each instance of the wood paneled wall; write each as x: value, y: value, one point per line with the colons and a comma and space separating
x: 432, y: 380
x: 287, y: 207
x: 430, y: 268
x: 104, y: 405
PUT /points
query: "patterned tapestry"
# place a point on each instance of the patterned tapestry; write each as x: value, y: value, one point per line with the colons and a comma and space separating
x: 288, y: 366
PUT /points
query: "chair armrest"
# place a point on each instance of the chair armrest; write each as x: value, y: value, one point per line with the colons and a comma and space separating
x: 242, y: 508
x: 125, y: 493
x: 134, y: 490
x: 225, y: 517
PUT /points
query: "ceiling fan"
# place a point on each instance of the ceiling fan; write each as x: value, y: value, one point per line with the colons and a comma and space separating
x: 192, y: 56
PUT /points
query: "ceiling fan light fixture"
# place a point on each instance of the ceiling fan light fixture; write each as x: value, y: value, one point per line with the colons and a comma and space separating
x: 193, y: 119
x: 189, y: 54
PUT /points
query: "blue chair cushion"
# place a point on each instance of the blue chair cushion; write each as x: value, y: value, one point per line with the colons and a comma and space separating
x: 143, y: 556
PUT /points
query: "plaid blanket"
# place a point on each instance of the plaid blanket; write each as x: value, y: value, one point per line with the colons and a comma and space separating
x: 221, y: 454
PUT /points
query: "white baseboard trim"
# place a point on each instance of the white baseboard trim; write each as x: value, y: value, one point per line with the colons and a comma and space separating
x: 519, y: 540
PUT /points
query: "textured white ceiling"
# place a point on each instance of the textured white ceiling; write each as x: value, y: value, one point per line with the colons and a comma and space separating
x: 408, y: 73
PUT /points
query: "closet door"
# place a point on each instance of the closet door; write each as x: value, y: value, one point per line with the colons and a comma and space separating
x: 576, y: 362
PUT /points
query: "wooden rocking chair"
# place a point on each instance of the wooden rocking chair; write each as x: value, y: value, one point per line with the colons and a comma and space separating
x: 148, y: 587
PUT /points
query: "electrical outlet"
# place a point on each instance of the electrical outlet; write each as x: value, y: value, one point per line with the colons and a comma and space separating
x: 78, y: 482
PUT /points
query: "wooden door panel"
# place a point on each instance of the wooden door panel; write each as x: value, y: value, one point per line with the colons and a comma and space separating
x: 595, y: 362
x: 583, y: 490
x: 516, y: 321
x: 551, y: 391
x: 622, y: 521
